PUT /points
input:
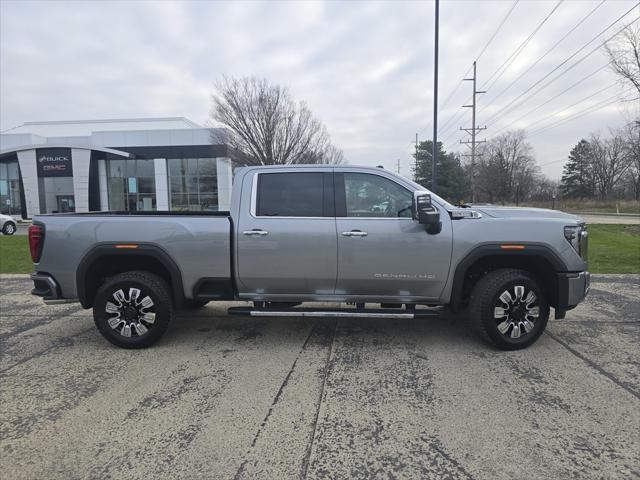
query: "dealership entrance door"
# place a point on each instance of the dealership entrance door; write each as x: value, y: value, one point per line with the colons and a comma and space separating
x: 56, y: 195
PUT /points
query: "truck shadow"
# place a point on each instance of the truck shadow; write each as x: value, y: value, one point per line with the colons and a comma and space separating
x: 218, y: 328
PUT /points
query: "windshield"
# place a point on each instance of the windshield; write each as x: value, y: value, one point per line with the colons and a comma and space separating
x: 434, y: 197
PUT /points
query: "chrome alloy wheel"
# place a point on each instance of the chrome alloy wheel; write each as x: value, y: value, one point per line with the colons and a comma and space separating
x: 133, y: 317
x: 516, y: 312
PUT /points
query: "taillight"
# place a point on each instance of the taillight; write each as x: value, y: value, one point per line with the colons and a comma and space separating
x: 36, y: 240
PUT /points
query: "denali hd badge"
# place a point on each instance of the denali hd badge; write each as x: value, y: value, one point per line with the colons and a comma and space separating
x: 404, y: 276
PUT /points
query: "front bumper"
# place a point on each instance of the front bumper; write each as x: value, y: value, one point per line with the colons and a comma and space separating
x: 572, y: 289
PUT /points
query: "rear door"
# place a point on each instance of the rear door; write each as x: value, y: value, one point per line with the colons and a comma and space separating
x: 382, y: 251
x: 286, y: 237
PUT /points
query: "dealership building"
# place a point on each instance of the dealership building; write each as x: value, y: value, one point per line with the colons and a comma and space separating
x: 124, y: 164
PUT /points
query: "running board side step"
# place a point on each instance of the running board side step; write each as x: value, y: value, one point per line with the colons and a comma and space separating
x: 332, y: 312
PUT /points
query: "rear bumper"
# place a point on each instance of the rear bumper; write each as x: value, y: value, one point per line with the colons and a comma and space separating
x: 45, y: 286
x: 572, y: 289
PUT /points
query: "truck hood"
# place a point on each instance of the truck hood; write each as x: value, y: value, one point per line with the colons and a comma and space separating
x: 521, y: 212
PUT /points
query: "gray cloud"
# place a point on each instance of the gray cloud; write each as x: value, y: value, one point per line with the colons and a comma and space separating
x: 365, y: 69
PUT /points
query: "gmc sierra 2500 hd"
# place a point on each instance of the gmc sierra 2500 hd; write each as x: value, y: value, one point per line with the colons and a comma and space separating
x: 297, y: 234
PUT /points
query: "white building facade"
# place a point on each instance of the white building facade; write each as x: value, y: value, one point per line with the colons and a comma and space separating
x: 163, y: 164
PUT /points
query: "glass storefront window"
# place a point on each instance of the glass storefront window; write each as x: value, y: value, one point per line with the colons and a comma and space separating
x: 131, y: 185
x: 10, y: 203
x: 192, y: 184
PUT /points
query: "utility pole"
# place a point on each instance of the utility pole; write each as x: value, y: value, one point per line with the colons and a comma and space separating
x: 434, y: 151
x: 415, y: 173
x: 398, y: 167
x: 472, y: 131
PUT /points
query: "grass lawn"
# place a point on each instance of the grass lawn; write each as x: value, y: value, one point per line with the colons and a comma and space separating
x: 14, y: 254
x: 612, y: 249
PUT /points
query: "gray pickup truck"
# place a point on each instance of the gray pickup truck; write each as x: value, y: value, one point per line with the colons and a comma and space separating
x: 354, y: 235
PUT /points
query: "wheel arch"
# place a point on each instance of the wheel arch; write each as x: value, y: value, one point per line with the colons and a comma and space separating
x: 539, y: 260
x: 107, y: 259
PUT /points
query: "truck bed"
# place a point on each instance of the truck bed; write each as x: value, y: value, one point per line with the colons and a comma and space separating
x: 200, y: 240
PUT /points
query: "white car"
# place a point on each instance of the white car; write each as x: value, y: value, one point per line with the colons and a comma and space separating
x: 7, y: 225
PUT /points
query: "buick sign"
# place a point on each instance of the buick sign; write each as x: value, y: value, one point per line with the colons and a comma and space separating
x: 54, y: 162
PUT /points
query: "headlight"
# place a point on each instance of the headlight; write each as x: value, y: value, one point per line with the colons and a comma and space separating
x: 576, y: 235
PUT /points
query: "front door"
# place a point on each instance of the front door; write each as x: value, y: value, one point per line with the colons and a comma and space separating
x: 286, y: 240
x: 382, y: 251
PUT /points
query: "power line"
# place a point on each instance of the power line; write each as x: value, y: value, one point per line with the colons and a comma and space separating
x: 508, y: 107
x: 588, y: 97
x: 516, y: 53
x: 552, y: 162
x: 584, y: 112
x: 598, y: 106
x: 573, y: 85
x: 450, y: 96
x: 604, y: 103
x: 546, y: 53
x: 455, y: 117
x: 493, y: 36
x: 496, y: 31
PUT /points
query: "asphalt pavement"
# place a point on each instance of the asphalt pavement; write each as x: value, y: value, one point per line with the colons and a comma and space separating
x: 232, y: 397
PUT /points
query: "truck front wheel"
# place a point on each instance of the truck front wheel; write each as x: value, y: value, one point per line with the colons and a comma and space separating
x: 133, y: 309
x: 509, y: 308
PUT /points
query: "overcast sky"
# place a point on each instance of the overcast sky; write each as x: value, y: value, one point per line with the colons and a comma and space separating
x: 364, y: 68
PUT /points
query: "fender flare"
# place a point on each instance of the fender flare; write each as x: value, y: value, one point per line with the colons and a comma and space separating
x: 492, y: 250
x: 141, y: 250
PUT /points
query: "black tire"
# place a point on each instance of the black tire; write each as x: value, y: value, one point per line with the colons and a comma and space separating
x: 190, y: 304
x: 9, y: 228
x: 489, y: 321
x: 149, y: 285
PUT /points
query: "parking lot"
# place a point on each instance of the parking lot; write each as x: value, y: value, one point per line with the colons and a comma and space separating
x: 228, y: 397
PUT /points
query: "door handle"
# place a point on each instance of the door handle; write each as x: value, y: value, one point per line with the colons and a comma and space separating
x: 355, y: 233
x: 255, y: 231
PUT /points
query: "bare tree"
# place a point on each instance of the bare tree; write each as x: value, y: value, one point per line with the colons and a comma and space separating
x: 631, y: 135
x: 609, y: 162
x: 266, y: 127
x: 544, y: 189
x: 624, y: 52
x: 507, y: 171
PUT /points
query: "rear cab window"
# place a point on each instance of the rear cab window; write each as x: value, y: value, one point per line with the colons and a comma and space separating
x: 294, y: 194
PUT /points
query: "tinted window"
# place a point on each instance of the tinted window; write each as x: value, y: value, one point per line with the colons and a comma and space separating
x: 375, y: 196
x: 290, y: 194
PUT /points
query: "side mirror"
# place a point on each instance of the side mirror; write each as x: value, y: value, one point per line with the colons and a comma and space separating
x: 425, y: 213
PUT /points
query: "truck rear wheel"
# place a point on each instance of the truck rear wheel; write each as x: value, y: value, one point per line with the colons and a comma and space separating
x: 133, y: 309
x: 509, y: 309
